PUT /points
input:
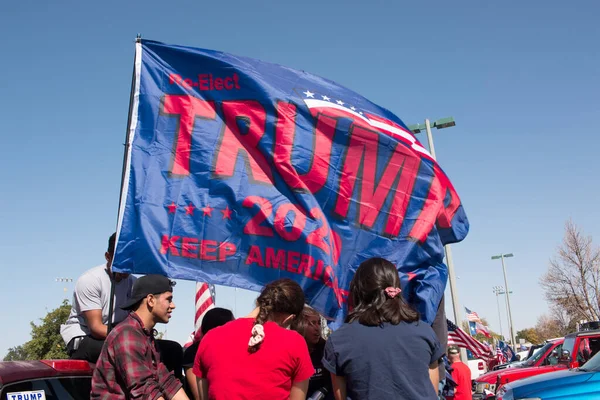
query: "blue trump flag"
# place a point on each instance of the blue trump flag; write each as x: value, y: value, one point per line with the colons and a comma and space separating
x: 507, y: 351
x: 239, y: 172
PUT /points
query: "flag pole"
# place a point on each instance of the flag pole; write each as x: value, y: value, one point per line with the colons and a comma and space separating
x: 138, y: 39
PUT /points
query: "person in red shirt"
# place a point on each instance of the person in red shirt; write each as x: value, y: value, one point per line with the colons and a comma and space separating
x: 256, y: 357
x: 461, y: 374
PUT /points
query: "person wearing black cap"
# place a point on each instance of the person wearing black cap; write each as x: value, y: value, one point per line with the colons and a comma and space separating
x: 129, y: 365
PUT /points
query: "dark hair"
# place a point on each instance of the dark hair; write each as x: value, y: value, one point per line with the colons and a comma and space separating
x: 280, y: 296
x: 300, y: 323
x: 111, y: 243
x: 372, y: 306
x: 214, y: 318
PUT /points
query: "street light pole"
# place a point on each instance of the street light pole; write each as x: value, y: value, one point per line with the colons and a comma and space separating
x: 441, y: 124
x: 65, y: 280
x: 510, y: 320
x: 497, y: 291
x: 430, y: 138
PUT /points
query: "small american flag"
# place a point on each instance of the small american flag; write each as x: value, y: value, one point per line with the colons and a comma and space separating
x: 205, y: 300
x: 500, y: 356
x: 472, y: 316
x: 458, y: 337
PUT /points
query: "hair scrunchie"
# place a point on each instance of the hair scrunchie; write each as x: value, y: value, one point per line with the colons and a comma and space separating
x: 258, y: 335
x: 392, y: 292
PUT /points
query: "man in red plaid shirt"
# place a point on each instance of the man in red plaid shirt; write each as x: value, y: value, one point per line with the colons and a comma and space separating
x: 129, y: 366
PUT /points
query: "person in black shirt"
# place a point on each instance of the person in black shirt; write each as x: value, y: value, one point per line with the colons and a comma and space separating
x: 309, y: 326
x: 212, y: 319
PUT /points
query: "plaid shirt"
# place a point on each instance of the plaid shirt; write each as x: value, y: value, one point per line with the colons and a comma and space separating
x: 129, y: 366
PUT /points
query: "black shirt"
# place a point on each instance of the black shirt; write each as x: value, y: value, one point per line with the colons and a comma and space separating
x: 189, y: 355
x: 321, y: 378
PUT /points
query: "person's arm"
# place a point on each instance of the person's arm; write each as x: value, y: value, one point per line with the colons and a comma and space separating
x: 170, y: 384
x: 299, y: 390
x: 180, y: 395
x: 88, y: 298
x: 192, y: 384
x: 434, y: 376
x: 93, y: 319
x: 339, y: 387
x: 202, y: 386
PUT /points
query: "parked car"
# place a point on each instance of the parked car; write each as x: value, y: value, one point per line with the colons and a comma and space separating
x: 45, y: 379
x: 575, y: 350
x: 477, y: 366
x: 486, y: 384
x: 524, y: 357
x: 579, y: 383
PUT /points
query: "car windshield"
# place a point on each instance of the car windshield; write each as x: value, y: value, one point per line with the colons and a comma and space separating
x: 593, y: 364
x: 537, y: 355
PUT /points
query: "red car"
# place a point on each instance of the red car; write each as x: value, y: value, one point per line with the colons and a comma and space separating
x: 46, y: 379
x: 572, y: 352
x: 544, y: 356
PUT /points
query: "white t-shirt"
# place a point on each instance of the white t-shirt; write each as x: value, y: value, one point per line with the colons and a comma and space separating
x: 92, y: 292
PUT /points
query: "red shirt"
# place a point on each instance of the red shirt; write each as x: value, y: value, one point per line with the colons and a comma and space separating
x: 233, y: 373
x: 462, y: 376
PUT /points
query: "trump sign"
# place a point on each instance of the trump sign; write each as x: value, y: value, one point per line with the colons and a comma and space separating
x: 239, y: 172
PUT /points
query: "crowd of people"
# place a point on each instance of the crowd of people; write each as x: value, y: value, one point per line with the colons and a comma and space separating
x: 382, y: 351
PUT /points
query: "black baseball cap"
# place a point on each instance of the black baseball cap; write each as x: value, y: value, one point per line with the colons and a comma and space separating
x: 148, y: 284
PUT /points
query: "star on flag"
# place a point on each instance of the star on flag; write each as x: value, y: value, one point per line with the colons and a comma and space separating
x: 189, y: 210
x: 226, y: 213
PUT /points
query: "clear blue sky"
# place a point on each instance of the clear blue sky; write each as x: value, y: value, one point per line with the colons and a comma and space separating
x: 522, y: 80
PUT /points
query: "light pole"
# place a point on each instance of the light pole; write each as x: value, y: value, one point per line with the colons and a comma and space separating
x: 417, y: 128
x: 66, y: 281
x: 510, y: 321
x: 497, y: 291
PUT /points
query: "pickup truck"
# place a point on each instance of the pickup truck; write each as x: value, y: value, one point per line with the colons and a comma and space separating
x: 572, y: 352
x: 477, y: 366
x: 45, y: 380
x: 48, y: 380
x: 525, y: 355
x: 486, y: 385
x: 580, y: 383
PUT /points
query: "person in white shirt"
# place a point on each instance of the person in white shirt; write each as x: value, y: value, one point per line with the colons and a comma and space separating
x: 86, y: 328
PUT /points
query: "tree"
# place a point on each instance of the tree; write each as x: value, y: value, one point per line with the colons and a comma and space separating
x: 554, y: 325
x: 46, y: 341
x: 572, y: 283
x: 16, y: 353
x: 529, y: 335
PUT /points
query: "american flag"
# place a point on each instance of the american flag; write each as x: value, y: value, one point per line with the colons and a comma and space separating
x: 205, y: 300
x: 472, y: 316
x: 458, y: 337
x: 500, y: 356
